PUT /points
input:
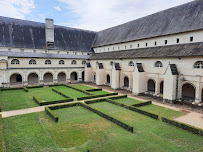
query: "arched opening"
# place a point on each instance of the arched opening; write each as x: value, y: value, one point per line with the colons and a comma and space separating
x: 83, y: 75
x: 202, y: 96
x: 73, y: 76
x: 151, y: 85
x: 61, y: 77
x: 48, y: 77
x: 33, y: 78
x: 126, y: 81
x: 94, y: 77
x: 188, y: 92
x: 15, y: 79
x: 162, y: 87
x: 108, y: 79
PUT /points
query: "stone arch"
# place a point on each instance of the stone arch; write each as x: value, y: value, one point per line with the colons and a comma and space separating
x: 16, y: 79
x: 108, y: 79
x: 61, y: 77
x: 94, y: 77
x: 48, y: 77
x: 151, y: 85
x: 188, y: 92
x: 126, y: 81
x: 161, y: 85
x: 83, y: 75
x: 33, y: 78
x: 74, y: 76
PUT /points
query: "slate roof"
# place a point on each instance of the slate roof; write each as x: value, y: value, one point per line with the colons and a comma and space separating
x: 42, y: 55
x: 27, y: 34
x: 181, y: 50
x: 183, y: 18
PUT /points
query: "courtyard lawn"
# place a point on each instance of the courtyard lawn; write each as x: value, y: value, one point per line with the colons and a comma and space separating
x: 70, y: 92
x: 127, y: 101
x: 99, y: 92
x: 82, y: 87
x: 80, y: 130
x: 162, y: 111
x: 19, y: 99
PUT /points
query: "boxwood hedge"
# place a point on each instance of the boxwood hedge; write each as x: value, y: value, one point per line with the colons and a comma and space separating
x: 118, y: 97
x: 50, y: 102
x: 51, y: 114
x: 85, y: 92
x: 97, y: 96
x: 91, y: 90
x: 25, y: 89
x: 60, y: 93
x: 1, y: 135
x: 183, y: 126
x: 142, y: 104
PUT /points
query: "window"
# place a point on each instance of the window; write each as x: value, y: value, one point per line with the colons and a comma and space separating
x: 61, y: 62
x: 32, y: 61
x: 131, y: 63
x: 111, y: 63
x: 166, y: 41
x: 15, y: 61
x: 146, y: 44
x: 158, y: 64
x: 191, y: 39
x: 131, y: 46
x: 83, y: 62
x: 155, y: 43
x: 198, y: 65
x: 178, y: 40
x: 138, y: 45
x: 125, y: 47
x: 73, y: 62
x: 48, y: 62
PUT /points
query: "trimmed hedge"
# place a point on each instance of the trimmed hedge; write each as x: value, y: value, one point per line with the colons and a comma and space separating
x: 30, y: 87
x: 6, y: 89
x: 91, y: 90
x: 134, y: 109
x: 95, y: 101
x: 64, y: 106
x: 25, y: 89
x: 51, y: 114
x: 96, y: 96
x: 60, y: 93
x: 85, y: 92
x: 51, y: 102
x: 118, y: 97
x: 1, y: 135
x: 183, y: 126
x: 142, y: 104
x: 115, y: 121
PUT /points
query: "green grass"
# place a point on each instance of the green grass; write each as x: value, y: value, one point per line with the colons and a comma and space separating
x: 162, y: 111
x: 128, y: 101
x: 70, y: 92
x: 79, y: 129
x: 19, y: 99
x: 82, y: 87
x: 99, y: 92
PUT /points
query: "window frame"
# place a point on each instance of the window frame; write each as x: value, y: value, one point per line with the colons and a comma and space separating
x: 158, y: 64
x: 48, y: 62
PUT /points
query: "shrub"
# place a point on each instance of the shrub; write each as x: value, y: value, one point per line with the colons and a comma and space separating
x: 30, y: 87
x: 85, y: 92
x: 6, y: 89
x: 118, y: 97
x: 64, y: 106
x: 183, y: 126
x: 51, y: 114
x: 96, y: 96
x: 142, y: 104
x: 51, y: 102
x: 25, y: 89
x: 1, y: 135
x: 60, y: 93
x: 95, y: 101
x: 91, y: 90
x: 115, y: 121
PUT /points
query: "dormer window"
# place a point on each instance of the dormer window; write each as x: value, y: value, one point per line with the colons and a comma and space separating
x: 50, y: 45
x: 191, y: 39
x: 178, y: 40
x: 166, y: 41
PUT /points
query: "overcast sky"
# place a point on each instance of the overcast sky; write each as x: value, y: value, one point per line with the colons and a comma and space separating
x: 85, y: 14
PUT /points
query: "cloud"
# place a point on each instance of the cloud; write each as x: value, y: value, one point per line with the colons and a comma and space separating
x: 101, y: 14
x: 16, y: 8
x: 57, y: 8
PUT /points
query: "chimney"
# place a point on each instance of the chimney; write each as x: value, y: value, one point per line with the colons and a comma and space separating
x: 49, y: 33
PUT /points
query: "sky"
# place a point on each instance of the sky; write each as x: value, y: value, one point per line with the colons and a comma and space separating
x: 94, y: 15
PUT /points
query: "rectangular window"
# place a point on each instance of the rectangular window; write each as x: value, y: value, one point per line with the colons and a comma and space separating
x: 146, y: 44
x: 138, y: 45
x: 178, y: 40
x: 191, y: 39
x: 166, y: 41
x: 155, y: 43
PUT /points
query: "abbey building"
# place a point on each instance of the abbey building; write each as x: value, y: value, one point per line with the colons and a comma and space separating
x: 160, y: 54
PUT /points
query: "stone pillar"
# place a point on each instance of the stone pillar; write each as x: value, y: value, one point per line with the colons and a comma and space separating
x: 41, y: 79
x: 55, y: 77
x: 24, y: 78
x: 100, y: 76
x: 89, y: 74
x: 197, y: 90
x: 157, y: 87
x: 139, y: 82
x: 116, y: 76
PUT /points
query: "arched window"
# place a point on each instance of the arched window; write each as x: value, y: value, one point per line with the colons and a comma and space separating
x: 83, y: 62
x: 15, y: 61
x: 111, y: 63
x: 73, y: 62
x: 48, y: 62
x: 61, y: 62
x: 198, y: 65
x: 131, y: 63
x: 32, y: 61
x: 158, y: 64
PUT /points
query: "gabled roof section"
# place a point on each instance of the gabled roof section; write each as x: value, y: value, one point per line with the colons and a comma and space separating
x: 183, y: 18
x: 27, y: 34
x: 181, y: 50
